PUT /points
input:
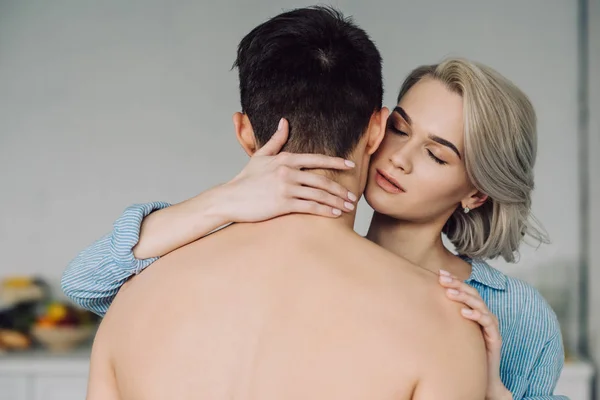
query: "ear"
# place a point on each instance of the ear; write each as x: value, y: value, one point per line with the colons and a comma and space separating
x: 376, y: 130
x: 245, y: 133
x: 474, y: 199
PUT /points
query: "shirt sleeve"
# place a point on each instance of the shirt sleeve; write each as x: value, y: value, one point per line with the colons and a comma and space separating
x: 545, y: 374
x: 94, y: 277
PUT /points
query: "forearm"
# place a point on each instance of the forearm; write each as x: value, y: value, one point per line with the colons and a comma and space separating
x: 95, y: 276
x: 548, y: 367
x: 92, y: 279
x: 170, y: 228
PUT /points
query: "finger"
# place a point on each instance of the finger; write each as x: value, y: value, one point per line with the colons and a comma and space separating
x: 320, y: 161
x: 321, y: 197
x: 449, y: 277
x: 485, y: 321
x: 473, y: 302
x: 322, y: 182
x: 450, y: 282
x: 274, y: 145
x: 312, y: 207
x: 463, y: 287
x: 489, y: 324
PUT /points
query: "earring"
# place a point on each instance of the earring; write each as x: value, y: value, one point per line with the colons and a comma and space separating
x: 466, y: 210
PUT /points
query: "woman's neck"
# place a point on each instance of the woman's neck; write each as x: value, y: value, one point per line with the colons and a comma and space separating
x: 421, y: 244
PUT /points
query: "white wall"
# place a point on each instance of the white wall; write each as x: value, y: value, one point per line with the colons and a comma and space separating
x: 103, y: 104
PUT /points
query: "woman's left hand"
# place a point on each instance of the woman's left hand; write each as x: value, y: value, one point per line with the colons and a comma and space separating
x: 476, y: 310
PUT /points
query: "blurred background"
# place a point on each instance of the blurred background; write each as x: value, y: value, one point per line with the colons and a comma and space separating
x: 105, y: 104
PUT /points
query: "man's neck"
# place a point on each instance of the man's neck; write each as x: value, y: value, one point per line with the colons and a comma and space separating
x: 349, y: 180
x: 316, y: 223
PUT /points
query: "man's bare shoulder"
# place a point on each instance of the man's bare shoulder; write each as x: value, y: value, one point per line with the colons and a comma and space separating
x: 390, y: 268
x: 456, y: 366
x: 450, y: 351
x: 456, y: 360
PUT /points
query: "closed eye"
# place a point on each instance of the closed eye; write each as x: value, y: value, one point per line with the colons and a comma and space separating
x: 397, y: 131
x: 437, y: 160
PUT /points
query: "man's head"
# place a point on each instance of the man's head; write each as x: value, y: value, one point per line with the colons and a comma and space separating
x: 318, y: 70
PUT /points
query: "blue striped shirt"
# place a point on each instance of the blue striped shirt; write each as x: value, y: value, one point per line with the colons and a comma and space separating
x: 532, y: 347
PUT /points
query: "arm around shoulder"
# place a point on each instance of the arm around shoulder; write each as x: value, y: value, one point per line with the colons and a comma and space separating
x: 94, y: 277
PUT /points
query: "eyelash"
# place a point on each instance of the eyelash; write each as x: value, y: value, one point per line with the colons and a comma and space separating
x: 399, y: 132
x: 437, y: 160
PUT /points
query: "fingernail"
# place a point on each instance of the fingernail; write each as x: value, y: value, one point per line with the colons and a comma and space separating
x: 444, y: 272
x: 349, y: 206
x: 337, y: 212
x: 445, y: 279
x: 453, y: 292
x: 280, y: 124
x: 351, y: 196
x: 466, y: 311
x: 349, y: 163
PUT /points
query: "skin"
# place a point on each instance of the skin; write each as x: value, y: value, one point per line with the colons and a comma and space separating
x: 375, y: 318
x: 423, y: 152
x: 408, y: 224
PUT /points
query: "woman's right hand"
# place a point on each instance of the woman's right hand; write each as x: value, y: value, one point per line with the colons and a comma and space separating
x: 274, y: 184
x: 270, y: 185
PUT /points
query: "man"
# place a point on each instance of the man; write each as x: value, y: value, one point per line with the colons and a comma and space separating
x: 297, y: 307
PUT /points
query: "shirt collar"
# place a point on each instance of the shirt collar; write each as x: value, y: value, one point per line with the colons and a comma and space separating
x: 483, y: 273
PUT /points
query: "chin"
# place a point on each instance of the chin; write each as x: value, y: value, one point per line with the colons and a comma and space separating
x: 397, y: 207
x: 380, y: 201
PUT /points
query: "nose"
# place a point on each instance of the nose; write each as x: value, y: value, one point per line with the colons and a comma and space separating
x: 402, y: 158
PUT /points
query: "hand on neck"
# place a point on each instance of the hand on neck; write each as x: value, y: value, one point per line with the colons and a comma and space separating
x: 349, y: 179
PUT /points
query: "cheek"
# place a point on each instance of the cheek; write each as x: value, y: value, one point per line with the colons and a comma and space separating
x: 386, y: 148
x: 438, y: 188
x: 378, y: 155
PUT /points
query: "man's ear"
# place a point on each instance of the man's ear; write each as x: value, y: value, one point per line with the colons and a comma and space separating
x: 376, y: 131
x: 245, y: 133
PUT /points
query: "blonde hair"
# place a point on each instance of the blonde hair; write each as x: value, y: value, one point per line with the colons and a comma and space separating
x: 500, y: 150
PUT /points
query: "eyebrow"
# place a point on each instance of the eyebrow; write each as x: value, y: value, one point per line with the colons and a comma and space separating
x: 435, y: 138
x: 403, y: 114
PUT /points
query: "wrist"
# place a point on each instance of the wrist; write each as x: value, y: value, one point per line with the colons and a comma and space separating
x: 214, y: 205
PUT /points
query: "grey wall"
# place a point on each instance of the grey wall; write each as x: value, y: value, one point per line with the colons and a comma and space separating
x: 103, y: 104
x: 594, y: 184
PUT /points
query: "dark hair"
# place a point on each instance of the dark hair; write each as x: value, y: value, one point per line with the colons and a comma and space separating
x: 316, y: 68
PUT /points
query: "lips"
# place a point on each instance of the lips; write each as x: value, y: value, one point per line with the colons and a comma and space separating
x: 387, y: 182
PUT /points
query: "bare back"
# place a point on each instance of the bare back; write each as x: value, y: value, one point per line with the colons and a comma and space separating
x: 270, y: 311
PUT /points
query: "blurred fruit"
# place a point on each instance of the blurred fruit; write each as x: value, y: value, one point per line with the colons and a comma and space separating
x: 44, y: 321
x: 69, y: 320
x: 57, y: 312
x: 61, y: 338
x: 85, y: 317
x: 61, y: 315
x: 21, y: 289
x: 17, y: 282
x: 14, y: 340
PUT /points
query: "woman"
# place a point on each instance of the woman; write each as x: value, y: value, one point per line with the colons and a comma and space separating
x: 457, y: 159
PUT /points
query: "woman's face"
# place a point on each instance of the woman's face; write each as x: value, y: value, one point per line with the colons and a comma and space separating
x: 418, y: 173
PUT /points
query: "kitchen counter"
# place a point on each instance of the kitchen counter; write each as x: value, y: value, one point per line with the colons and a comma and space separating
x: 41, y: 375
x: 41, y: 360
